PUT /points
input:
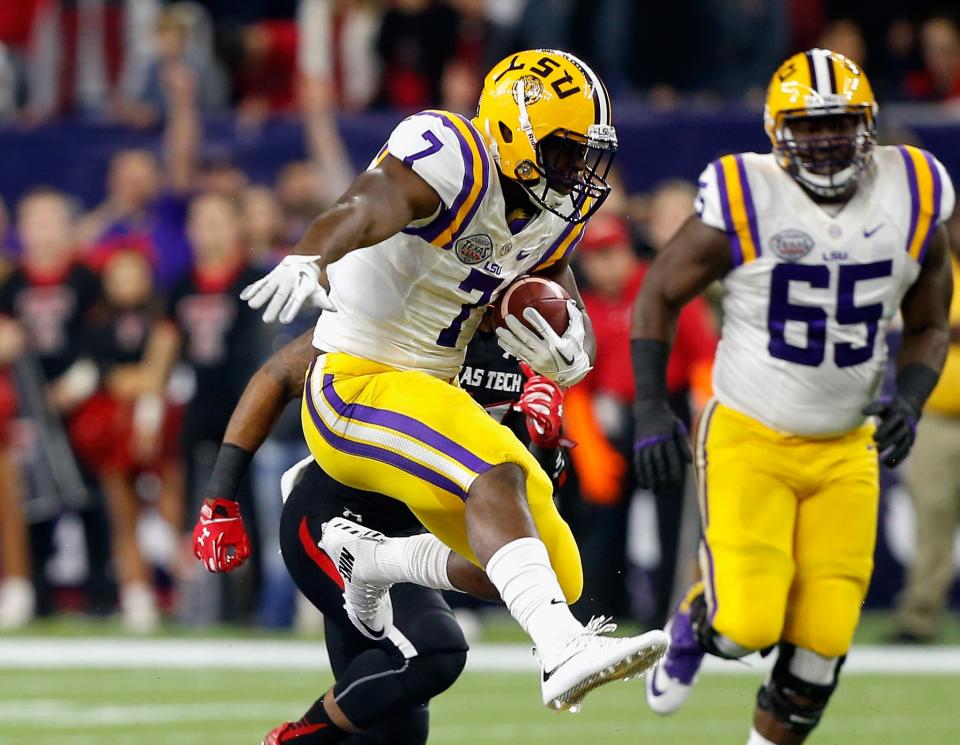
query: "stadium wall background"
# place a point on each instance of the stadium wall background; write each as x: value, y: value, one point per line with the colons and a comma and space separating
x: 655, y: 144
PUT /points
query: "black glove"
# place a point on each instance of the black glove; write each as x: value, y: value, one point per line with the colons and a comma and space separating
x: 897, y: 429
x: 898, y: 418
x: 660, y: 447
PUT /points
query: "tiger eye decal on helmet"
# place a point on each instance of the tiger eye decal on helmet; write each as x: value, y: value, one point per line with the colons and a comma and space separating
x: 820, y: 116
x: 548, y: 120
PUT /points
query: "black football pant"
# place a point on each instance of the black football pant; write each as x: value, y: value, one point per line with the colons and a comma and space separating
x: 382, y: 687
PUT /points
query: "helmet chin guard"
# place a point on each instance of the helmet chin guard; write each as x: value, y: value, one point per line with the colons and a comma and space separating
x: 570, y: 176
x: 828, y: 167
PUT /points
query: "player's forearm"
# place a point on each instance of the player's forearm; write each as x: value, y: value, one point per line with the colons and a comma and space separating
x: 695, y: 257
x: 926, y: 325
x: 274, y: 385
x: 919, y: 363
x: 653, y: 317
x: 182, y: 135
x: 278, y: 382
x: 927, y: 346
x: 253, y: 418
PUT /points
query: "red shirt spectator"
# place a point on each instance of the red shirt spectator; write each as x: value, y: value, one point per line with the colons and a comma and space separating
x: 940, y: 46
x: 615, y: 277
x: 692, y: 353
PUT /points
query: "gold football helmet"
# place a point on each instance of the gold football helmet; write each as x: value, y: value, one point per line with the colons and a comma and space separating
x: 821, y: 117
x: 548, y: 120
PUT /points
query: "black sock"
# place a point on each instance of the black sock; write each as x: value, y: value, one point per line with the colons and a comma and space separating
x: 314, y: 728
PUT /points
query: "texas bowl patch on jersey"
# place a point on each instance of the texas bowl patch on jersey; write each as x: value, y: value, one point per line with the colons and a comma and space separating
x: 474, y: 248
x: 791, y: 245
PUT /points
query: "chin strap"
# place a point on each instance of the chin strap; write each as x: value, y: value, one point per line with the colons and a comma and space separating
x: 491, y: 142
x: 829, y: 186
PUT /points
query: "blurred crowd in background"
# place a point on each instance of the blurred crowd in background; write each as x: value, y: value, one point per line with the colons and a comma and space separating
x: 107, y: 59
x: 120, y: 323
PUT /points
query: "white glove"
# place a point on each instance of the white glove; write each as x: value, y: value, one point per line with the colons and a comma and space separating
x: 560, y: 358
x: 293, y: 283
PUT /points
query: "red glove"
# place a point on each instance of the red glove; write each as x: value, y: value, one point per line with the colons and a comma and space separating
x: 542, y: 403
x: 219, y: 539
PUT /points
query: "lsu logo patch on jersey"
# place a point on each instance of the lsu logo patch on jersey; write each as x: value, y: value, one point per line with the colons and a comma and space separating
x: 474, y: 249
x: 791, y: 244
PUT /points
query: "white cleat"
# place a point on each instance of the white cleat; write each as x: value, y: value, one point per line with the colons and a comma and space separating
x: 589, y: 660
x: 366, y: 595
x: 138, y: 608
x: 17, y: 603
x: 670, y: 683
x: 665, y: 694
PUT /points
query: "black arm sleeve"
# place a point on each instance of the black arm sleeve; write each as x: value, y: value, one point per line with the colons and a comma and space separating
x: 915, y: 383
x: 650, y: 358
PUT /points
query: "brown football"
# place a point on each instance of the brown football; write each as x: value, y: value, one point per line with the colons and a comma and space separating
x: 549, y: 299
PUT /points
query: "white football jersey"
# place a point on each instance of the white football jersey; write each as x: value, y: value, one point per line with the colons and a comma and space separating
x: 414, y: 300
x: 814, y: 288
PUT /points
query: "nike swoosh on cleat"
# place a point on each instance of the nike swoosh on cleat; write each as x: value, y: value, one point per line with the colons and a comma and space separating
x: 653, y: 682
x: 868, y: 233
x: 547, y: 674
x: 558, y: 602
x: 376, y: 634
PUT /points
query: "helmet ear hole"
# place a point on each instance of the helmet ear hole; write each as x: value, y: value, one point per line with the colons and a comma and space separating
x: 506, y: 133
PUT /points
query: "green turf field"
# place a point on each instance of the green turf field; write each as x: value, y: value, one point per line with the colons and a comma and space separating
x: 219, y: 707
x: 875, y: 627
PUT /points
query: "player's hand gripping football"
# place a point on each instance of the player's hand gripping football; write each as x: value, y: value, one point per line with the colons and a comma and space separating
x: 219, y: 538
x: 896, y: 429
x: 563, y: 359
x: 293, y: 283
x: 542, y: 405
x: 660, y: 447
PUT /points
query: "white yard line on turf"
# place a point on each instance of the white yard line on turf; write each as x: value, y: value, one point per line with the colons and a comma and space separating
x: 68, y: 714
x: 35, y: 653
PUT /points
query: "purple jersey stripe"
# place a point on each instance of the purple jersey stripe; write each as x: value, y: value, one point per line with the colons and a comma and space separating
x: 712, y: 579
x: 404, y: 424
x: 748, y: 206
x: 548, y: 254
x: 914, y: 193
x: 711, y: 574
x: 383, y: 455
x: 706, y: 429
x: 937, y: 194
x: 484, y: 182
x: 572, y: 247
x: 727, y: 219
x: 446, y: 216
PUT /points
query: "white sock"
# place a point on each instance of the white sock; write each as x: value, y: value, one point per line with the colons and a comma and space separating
x: 757, y: 739
x: 521, y: 571
x: 420, y: 559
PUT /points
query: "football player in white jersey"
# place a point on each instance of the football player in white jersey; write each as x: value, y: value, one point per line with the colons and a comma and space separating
x: 819, y: 244
x: 450, y: 212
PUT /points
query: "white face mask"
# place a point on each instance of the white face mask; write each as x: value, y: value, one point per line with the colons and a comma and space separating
x: 835, y: 184
x: 831, y: 185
